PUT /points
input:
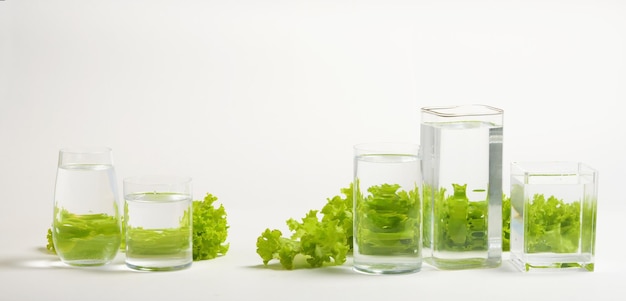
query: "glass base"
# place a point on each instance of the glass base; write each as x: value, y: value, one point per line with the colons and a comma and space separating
x: 464, y: 260
x: 156, y: 266
x: 158, y: 269
x: 86, y: 263
x: 379, y: 265
x: 463, y: 264
x: 551, y: 262
x: 386, y: 269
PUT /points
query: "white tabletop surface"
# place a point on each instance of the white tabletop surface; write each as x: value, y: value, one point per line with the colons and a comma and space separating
x: 260, y: 103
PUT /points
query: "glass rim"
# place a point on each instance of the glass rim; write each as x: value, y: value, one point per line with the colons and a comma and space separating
x: 85, y: 150
x: 157, y: 179
x: 386, y: 148
x: 553, y: 167
x: 477, y: 110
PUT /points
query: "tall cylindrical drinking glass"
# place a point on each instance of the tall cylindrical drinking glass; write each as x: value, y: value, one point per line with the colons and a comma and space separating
x: 387, y: 217
x: 86, y: 227
x: 461, y: 152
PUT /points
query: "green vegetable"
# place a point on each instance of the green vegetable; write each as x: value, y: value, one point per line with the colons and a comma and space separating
x: 458, y: 207
x: 320, y: 242
x: 459, y: 225
x: 50, y: 244
x: 388, y: 221
x: 86, y: 236
x: 149, y: 242
x: 551, y: 225
x: 506, y: 223
x: 210, y: 229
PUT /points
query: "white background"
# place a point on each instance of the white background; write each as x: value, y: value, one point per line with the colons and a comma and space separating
x: 260, y: 102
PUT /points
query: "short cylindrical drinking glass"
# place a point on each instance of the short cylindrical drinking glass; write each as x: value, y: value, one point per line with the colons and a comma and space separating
x: 158, y: 220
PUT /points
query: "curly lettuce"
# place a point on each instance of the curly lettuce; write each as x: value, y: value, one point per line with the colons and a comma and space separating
x: 325, y: 241
x: 210, y: 229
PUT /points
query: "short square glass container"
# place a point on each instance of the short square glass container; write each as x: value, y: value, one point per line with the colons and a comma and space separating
x: 553, y: 216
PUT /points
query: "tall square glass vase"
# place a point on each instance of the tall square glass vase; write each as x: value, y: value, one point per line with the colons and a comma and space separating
x: 461, y: 153
x: 553, y: 216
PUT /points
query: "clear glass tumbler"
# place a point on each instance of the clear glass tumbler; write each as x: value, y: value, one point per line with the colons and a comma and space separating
x: 553, y: 216
x: 158, y: 222
x: 461, y: 153
x: 86, y: 227
x: 387, y: 216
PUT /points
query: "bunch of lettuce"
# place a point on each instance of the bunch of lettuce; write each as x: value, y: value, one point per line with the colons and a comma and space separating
x: 325, y: 241
x: 389, y: 220
x: 459, y: 225
x: 150, y: 242
x: 210, y: 229
x: 462, y: 221
x: 85, y: 235
x: 552, y: 225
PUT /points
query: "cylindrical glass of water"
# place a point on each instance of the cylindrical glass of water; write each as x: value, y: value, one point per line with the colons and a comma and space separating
x: 387, y: 216
x: 461, y: 153
x: 86, y: 227
x: 158, y: 219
